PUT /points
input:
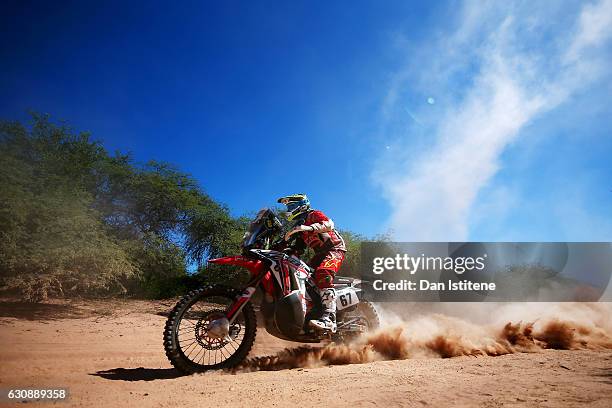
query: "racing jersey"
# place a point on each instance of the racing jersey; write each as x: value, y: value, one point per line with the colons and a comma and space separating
x: 324, y: 237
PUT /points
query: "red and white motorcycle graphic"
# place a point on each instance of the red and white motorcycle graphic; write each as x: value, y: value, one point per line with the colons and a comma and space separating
x: 214, y: 327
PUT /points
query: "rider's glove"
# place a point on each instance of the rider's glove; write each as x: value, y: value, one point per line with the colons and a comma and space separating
x: 299, y: 228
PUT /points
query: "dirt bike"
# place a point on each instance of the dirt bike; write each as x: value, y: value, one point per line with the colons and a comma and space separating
x: 214, y: 327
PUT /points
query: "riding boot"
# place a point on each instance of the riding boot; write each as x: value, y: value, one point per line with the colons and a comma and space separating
x: 327, y: 322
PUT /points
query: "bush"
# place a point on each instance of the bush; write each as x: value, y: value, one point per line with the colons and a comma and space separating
x: 75, y: 220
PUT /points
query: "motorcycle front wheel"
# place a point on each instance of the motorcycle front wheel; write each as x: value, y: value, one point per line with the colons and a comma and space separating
x: 191, y: 338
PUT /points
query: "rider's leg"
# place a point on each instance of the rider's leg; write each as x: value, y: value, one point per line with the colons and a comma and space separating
x: 327, y: 321
x: 324, y: 279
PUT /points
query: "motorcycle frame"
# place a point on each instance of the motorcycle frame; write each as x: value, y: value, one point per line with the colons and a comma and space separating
x: 260, y: 275
x: 260, y: 269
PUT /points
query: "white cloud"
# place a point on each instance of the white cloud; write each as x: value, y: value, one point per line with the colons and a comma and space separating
x: 595, y: 26
x: 512, y: 72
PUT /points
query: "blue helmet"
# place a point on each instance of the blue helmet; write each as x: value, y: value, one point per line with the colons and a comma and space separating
x: 297, y: 204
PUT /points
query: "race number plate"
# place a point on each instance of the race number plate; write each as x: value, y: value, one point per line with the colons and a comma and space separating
x: 347, y: 297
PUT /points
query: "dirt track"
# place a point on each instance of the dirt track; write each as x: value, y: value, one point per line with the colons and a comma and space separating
x: 116, y: 359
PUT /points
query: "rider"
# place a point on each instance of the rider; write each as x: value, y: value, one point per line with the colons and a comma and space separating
x: 317, y: 232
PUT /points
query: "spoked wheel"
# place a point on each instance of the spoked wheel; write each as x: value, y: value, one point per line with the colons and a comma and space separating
x: 363, y: 318
x: 199, y: 337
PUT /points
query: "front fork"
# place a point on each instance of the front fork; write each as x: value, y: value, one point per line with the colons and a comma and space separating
x: 234, y: 310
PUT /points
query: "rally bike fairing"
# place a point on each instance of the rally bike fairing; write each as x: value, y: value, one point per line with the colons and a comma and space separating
x: 290, y: 296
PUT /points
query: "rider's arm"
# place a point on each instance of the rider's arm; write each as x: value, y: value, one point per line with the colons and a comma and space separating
x: 324, y: 226
x: 320, y: 222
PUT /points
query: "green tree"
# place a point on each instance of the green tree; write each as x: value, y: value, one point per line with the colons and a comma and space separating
x: 75, y: 220
x: 51, y: 238
x: 350, y: 266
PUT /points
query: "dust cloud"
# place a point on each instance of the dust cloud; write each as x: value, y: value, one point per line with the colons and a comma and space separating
x: 452, y: 330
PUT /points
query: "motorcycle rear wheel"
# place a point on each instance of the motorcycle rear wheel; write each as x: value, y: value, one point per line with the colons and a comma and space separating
x: 189, y: 346
x: 367, y: 316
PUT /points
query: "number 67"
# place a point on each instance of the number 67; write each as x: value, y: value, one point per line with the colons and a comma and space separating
x: 344, y: 301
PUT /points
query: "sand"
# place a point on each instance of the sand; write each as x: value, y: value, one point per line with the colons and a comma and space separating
x: 109, y: 353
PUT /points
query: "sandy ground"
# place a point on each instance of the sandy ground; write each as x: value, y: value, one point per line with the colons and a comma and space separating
x: 115, y: 358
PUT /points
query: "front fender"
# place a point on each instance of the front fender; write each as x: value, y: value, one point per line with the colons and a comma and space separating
x: 255, y: 266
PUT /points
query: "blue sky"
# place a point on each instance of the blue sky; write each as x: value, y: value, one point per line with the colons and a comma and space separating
x: 435, y: 121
